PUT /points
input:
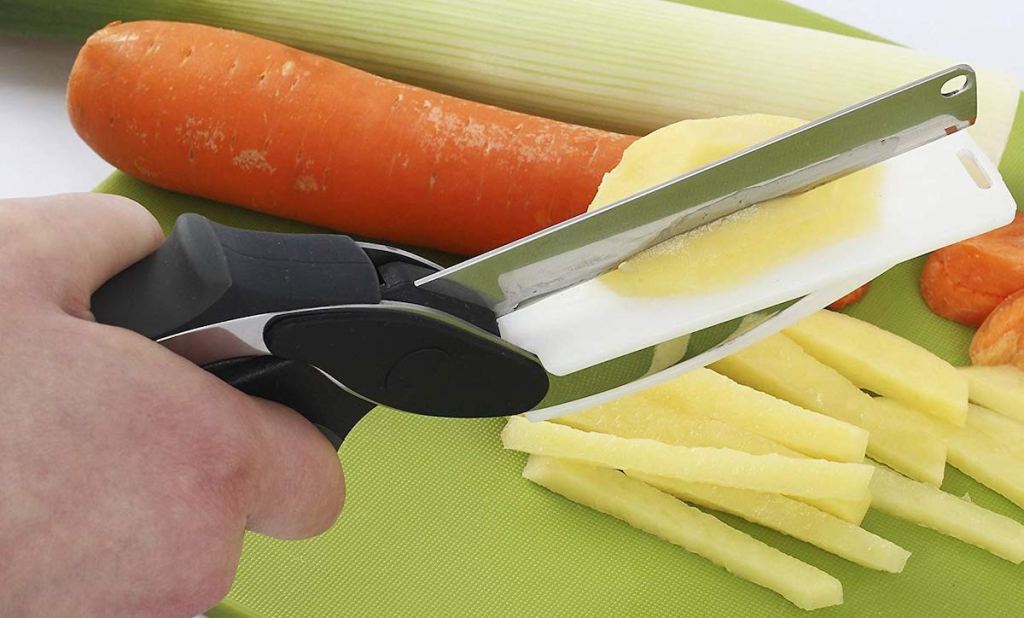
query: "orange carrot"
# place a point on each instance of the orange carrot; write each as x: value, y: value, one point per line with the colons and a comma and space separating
x: 236, y: 118
x: 1000, y: 340
x: 966, y: 281
x: 950, y: 298
x: 993, y: 262
x: 851, y: 298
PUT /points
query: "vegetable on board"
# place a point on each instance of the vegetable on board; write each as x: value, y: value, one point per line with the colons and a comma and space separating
x: 236, y: 118
x: 1000, y: 339
x: 623, y: 65
x: 965, y: 281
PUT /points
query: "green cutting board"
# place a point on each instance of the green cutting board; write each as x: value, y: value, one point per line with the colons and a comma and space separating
x: 438, y: 521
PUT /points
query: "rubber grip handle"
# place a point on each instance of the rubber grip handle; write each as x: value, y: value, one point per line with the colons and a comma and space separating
x: 206, y: 273
x: 300, y: 387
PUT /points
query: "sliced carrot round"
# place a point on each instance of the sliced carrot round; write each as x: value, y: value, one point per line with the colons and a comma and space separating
x: 1000, y: 340
x: 946, y: 296
x: 966, y: 281
x: 852, y: 297
x: 993, y: 262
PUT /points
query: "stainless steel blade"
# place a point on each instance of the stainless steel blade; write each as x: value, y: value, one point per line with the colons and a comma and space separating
x: 589, y: 244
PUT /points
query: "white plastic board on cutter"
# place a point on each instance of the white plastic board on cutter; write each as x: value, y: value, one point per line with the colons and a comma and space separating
x: 928, y: 198
x: 790, y: 315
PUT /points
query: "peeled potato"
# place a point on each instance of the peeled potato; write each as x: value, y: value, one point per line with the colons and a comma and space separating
x: 732, y: 249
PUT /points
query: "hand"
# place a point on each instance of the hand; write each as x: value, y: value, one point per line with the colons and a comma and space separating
x: 127, y: 474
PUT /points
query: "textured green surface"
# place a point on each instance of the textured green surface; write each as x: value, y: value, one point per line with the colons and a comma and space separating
x: 439, y: 523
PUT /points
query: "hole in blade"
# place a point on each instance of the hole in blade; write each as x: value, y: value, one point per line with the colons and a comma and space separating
x: 953, y: 86
x: 974, y: 170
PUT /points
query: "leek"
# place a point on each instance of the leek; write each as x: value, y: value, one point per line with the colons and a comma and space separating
x: 623, y: 65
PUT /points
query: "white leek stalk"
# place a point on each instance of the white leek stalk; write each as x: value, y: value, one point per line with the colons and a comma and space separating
x: 625, y: 65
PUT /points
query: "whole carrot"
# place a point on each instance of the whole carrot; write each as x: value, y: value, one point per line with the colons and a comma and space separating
x: 247, y: 121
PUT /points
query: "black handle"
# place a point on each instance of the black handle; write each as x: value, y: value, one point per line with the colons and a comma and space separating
x: 206, y: 273
x: 300, y: 387
x: 422, y: 352
x: 413, y: 358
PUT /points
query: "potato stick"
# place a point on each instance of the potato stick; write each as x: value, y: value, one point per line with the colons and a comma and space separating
x: 658, y: 513
x: 1006, y: 434
x: 636, y: 416
x: 790, y: 517
x: 703, y: 392
x: 812, y: 478
x: 933, y: 508
x: 778, y: 366
x: 972, y: 452
x: 884, y: 363
x: 999, y: 388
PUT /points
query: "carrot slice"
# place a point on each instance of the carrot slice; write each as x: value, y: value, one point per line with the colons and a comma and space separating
x: 851, y: 298
x: 1000, y: 340
x: 950, y: 298
x: 240, y: 119
x: 992, y: 263
x: 966, y: 281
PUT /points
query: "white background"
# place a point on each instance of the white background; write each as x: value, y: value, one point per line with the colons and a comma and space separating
x: 41, y: 154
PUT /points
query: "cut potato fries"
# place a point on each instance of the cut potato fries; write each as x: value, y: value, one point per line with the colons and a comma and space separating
x: 999, y: 388
x: 658, y: 513
x: 811, y: 478
x: 778, y: 366
x: 1006, y: 433
x: 703, y: 392
x: 739, y: 437
x: 972, y: 452
x: 884, y: 363
x: 637, y: 416
x: 933, y: 508
x: 790, y: 517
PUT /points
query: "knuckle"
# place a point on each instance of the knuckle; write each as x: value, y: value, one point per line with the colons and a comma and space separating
x: 128, y: 209
x: 219, y: 464
x: 15, y: 225
x: 28, y: 243
x: 219, y: 470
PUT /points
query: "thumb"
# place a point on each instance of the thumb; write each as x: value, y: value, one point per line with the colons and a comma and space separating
x: 300, y: 488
